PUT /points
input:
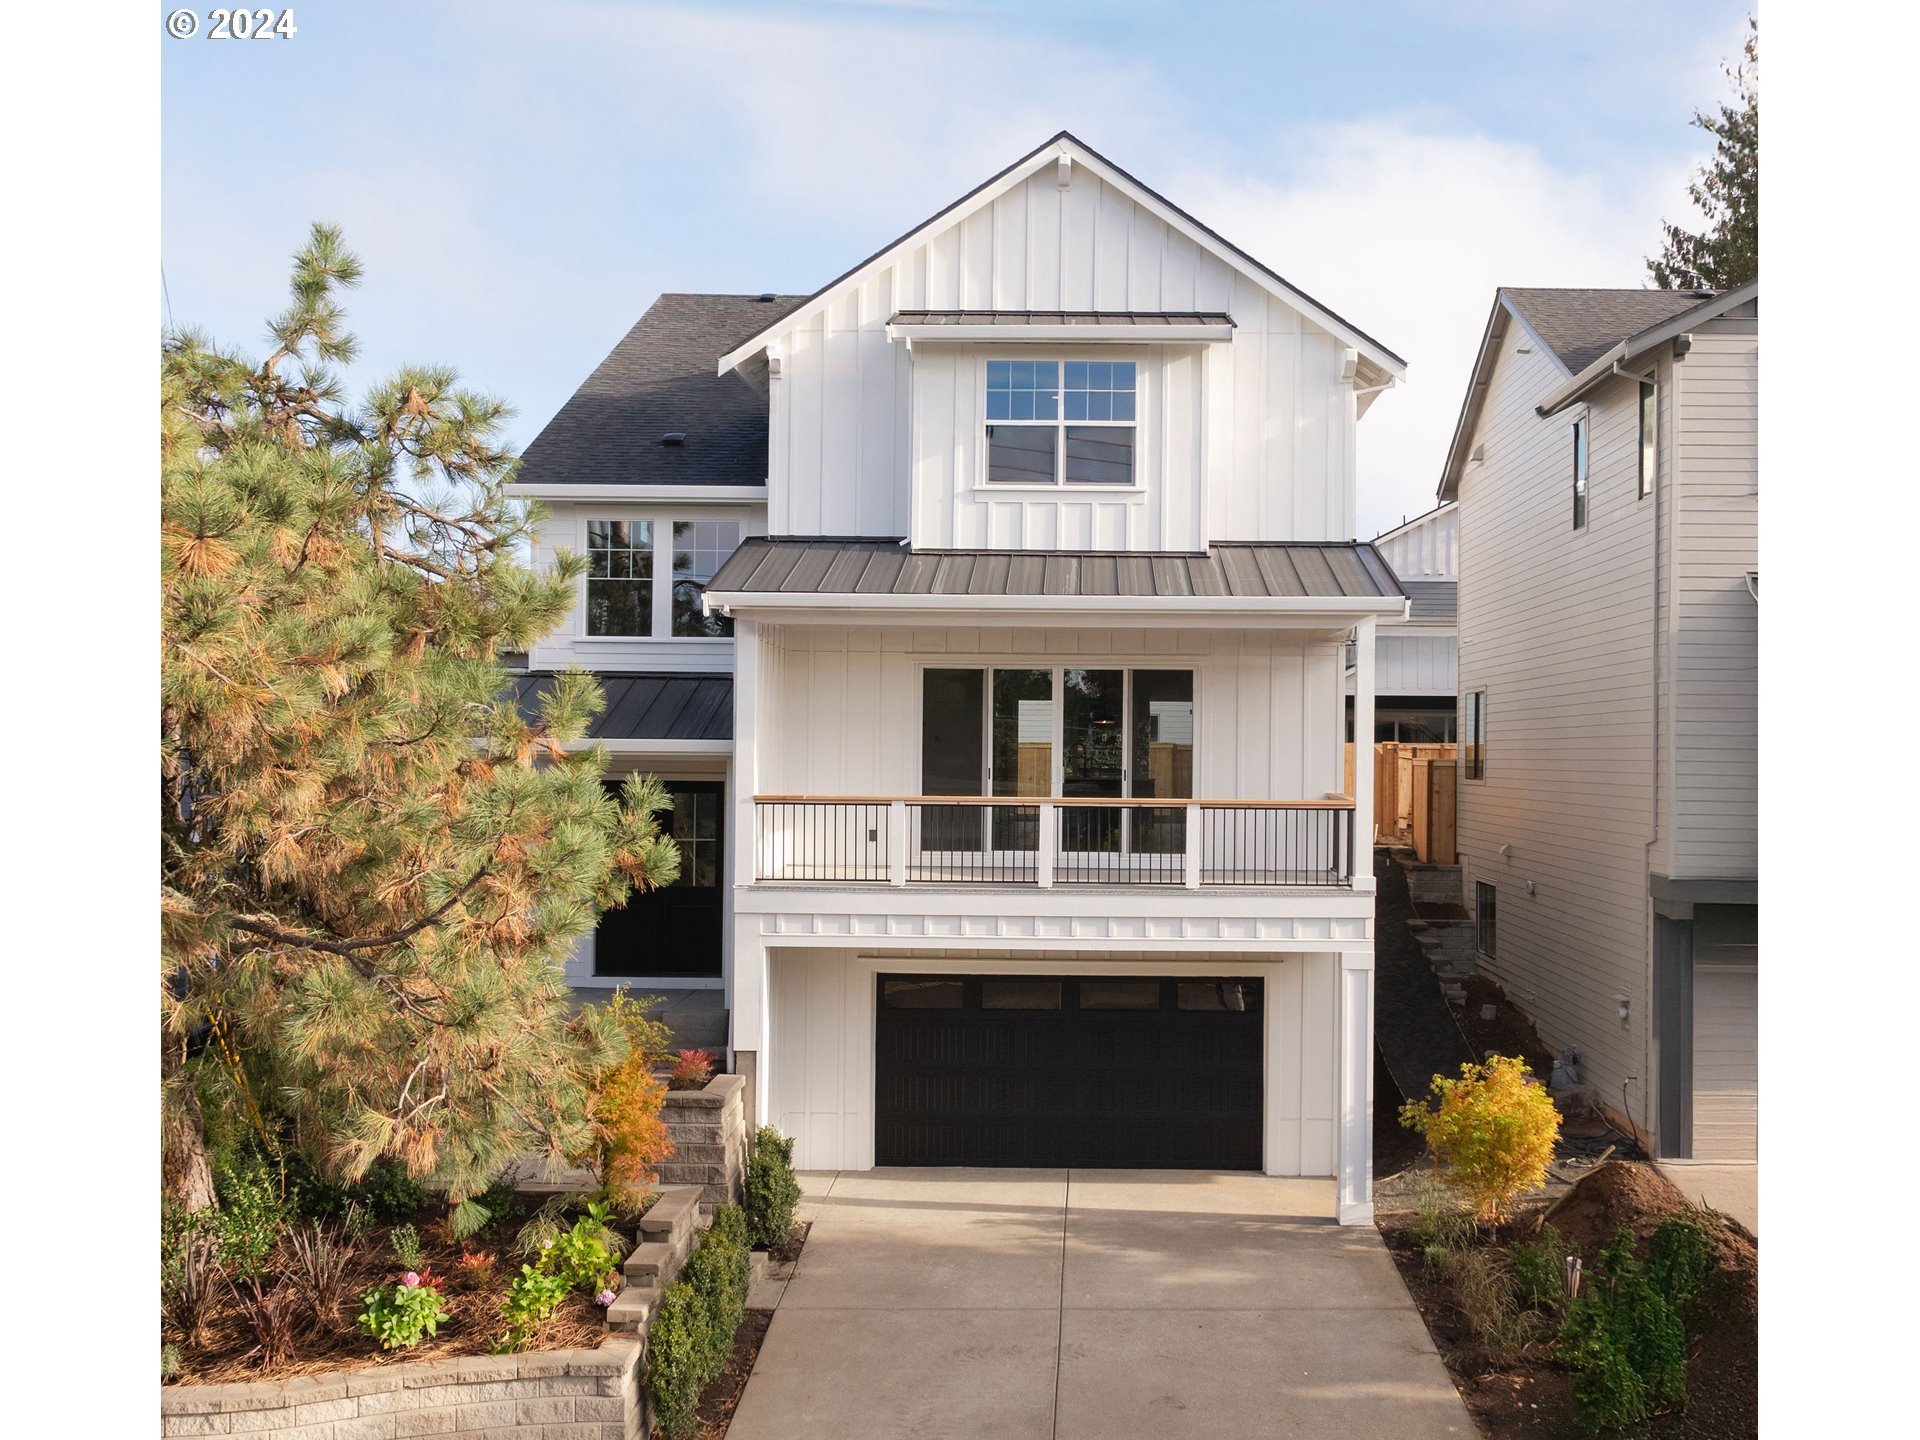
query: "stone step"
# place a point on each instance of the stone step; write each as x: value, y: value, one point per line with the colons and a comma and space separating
x: 657, y: 1262
x: 632, y: 1308
x: 673, y: 1215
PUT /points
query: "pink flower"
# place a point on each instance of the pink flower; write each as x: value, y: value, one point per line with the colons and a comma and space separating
x: 604, y: 1299
x: 410, y: 1279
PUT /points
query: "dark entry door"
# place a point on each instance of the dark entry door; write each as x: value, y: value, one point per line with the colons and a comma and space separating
x: 1109, y: 1072
x: 674, y: 931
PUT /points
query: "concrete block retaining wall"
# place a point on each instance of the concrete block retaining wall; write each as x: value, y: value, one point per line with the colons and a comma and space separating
x: 541, y: 1395
x: 709, y: 1130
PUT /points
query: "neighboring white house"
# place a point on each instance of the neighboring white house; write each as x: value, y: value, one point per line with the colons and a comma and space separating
x: 1416, y: 674
x: 1606, y: 469
x: 1030, y: 569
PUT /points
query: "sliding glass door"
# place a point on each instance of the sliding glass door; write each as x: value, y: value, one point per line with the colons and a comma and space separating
x: 1118, y: 734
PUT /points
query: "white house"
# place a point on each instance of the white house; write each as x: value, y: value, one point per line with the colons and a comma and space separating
x: 999, y: 592
x: 1416, y: 669
x: 1606, y: 471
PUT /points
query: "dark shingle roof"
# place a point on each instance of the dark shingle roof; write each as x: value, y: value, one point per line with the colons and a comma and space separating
x: 1433, y: 599
x: 767, y: 565
x: 1580, y: 326
x: 660, y: 380
x: 648, y: 707
x: 1060, y: 317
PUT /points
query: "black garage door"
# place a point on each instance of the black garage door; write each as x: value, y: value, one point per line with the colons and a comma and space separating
x: 1119, y: 1072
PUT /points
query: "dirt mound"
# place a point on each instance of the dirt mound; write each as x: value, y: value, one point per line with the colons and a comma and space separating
x: 1625, y: 1192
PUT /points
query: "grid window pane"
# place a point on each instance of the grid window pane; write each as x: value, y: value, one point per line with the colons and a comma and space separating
x: 619, y: 577
x: 1022, y: 454
x: 1099, y: 455
x: 700, y: 547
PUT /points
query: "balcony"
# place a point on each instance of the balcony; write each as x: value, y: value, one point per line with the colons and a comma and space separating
x: 1053, y: 842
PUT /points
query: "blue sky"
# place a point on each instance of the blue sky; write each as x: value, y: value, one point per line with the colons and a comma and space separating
x: 523, y: 179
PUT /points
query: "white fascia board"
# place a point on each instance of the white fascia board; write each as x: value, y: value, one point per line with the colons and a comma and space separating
x: 1635, y: 346
x: 1040, y: 159
x: 679, y: 494
x: 655, y: 747
x: 1416, y: 522
x: 1049, y: 609
x: 1064, y: 334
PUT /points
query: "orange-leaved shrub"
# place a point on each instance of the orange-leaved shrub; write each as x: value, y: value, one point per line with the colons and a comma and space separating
x: 631, y: 1135
x: 1492, y: 1132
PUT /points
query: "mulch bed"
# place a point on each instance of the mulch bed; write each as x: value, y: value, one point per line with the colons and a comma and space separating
x: 229, y: 1353
x: 1533, y: 1397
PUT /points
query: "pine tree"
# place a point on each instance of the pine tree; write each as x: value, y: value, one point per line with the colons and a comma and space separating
x: 372, y: 863
x: 1726, y: 253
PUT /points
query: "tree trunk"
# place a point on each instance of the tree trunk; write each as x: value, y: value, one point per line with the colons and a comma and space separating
x: 184, y: 1173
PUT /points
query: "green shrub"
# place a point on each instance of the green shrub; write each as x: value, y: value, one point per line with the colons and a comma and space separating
x: 679, y: 1347
x: 388, y: 1192
x: 771, y: 1191
x: 169, y: 1363
x: 250, y: 1218
x: 532, y: 1297
x: 1539, y: 1269
x: 692, y: 1335
x: 1679, y: 1260
x: 406, y: 1246
x: 582, y: 1255
x: 398, y: 1316
x: 1624, y: 1338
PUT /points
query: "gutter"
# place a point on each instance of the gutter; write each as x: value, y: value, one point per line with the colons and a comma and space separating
x: 1144, y: 606
x: 1636, y: 345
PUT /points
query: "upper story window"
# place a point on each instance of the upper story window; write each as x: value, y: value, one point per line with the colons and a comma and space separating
x: 1580, y: 473
x: 619, y: 577
x: 1473, y: 735
x: 1052, y: 422
x: 700, y: 547
x: 625, y: 556
x: 1649, y: 457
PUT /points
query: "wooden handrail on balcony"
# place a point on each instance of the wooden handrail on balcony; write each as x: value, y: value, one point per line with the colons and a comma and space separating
x: 1117, y: 802
x: 1049, y: 840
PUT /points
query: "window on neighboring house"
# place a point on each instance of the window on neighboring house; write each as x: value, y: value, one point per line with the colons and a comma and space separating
x: 700, y: 547
x: 1052, y: 422
x: 1649, y: 456
x: 1483, y: 919
x: 1473, y: 732
x: 619, y: 577
x: 1580, y: 473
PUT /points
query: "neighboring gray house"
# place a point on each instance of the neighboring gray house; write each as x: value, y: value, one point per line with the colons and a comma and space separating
x: 1606, y: 469
x: 1416, y: 674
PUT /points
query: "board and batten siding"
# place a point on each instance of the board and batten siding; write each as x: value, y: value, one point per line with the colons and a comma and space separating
x: 1260, y: 426
x: 822, y: 1003
x: 1558, y: 627
x: 840, y: 707
x: 1715, y: 712
x: 564, y: 528
x: 1416, y: 664
x: 1427, y: 548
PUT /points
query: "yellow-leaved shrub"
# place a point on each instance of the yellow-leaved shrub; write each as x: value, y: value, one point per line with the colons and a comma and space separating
x: 1492, y: 1132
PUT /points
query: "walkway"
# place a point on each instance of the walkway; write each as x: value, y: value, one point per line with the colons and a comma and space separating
x: 1091, y: 1305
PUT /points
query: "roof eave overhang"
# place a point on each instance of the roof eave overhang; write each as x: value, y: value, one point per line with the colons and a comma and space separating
x: 1048, y: 609
x: 1063, y: 334
x: 679, y: 494
x: 1050, y: 153
x: 1635, y: 346
x: 665, y: 748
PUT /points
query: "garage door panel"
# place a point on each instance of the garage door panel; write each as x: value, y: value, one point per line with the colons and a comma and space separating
x: 1726, y: 1070
x: 1177, y: 1086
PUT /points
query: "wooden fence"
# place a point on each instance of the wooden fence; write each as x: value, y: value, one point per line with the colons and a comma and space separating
x: 1414, y: 797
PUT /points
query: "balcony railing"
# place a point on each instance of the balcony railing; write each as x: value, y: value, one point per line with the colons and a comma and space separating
x: 1051, y: 842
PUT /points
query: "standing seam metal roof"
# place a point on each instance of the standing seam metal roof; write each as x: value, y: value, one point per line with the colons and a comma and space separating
x: 767, y: 565
x: 647, y: 706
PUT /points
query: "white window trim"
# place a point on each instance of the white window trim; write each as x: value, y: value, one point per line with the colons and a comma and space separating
x: 1649, y: 483
x: 1061, y: 355
x: 1583, y: 423
x: 662, y: 521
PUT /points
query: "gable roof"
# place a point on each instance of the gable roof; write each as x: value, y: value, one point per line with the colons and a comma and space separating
x: 1634, y: 346
x: 1066, y: 144
x: 1578, y: 330
x: 660, y: 380
x: 1578, y: 325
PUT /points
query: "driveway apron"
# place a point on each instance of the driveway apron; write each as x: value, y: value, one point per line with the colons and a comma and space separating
x: 1091, y: 1304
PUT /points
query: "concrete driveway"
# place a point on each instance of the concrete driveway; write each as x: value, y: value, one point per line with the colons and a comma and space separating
x: 1088, y: 1305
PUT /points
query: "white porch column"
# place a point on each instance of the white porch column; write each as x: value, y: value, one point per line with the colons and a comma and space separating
x: 747, y: 978
x: 1363, y: 683
x: 1355, y: 1092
